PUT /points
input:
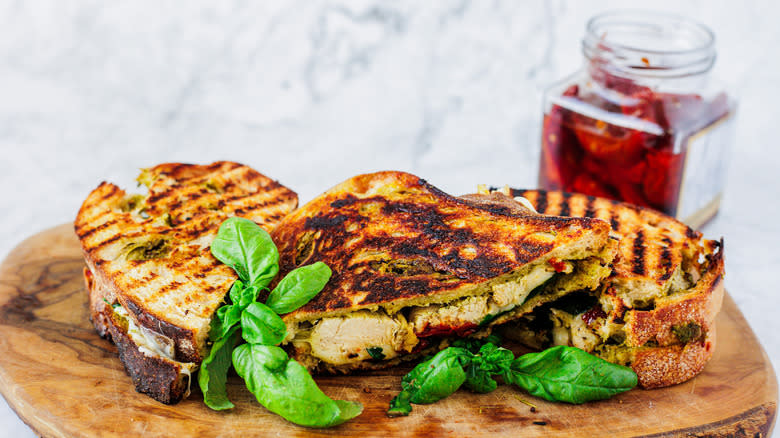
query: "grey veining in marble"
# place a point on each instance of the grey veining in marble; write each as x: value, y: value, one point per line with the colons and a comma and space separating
x: 312, y: 92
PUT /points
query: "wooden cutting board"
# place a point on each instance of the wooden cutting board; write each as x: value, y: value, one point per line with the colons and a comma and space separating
x: 63, y: 380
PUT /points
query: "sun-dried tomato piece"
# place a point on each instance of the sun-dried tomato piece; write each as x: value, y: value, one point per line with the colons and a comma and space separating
x: 558, y: 265
x: 585, y: 183
x: 446, y: 330
x: 608, y: 142
x: 662, y: 179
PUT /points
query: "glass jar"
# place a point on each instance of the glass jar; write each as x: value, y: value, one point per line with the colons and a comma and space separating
x: 642, y: 121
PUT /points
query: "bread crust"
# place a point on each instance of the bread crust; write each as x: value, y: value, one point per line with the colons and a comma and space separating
x: 157, y: 377
x: 154, y: 376
x: 97, y: 305
x: 658, y: 367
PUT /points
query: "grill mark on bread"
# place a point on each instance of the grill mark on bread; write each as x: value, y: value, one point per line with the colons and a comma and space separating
x: 156, y: 197
x: 209, y: 288
x: 112, y: 190
x: 100, y: 227
x: 198, y: 229
x: 168, y: 287
x: 590, y: 211
x: 261, y: 204
x: 196, y: 195
x: 665, y: 261
x: 174, y: 170
x: 638, y: 263
x: 541, y: 202
x: 203, y: 271
x: 108, y: 241
x: 614, y: 222
x: 565, y: 207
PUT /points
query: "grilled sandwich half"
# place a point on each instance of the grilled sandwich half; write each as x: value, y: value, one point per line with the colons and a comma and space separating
x: 414, y: 267
x: 655, y: 313
x: 153, y: 283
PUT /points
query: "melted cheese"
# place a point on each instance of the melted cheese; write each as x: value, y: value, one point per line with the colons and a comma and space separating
x: 153, y: 344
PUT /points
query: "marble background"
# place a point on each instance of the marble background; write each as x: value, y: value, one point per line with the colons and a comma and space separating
x: 312, y: 92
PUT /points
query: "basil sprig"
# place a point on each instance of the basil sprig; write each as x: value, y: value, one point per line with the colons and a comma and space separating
x: 563, y: 374
x: 279, y: 383
x: 248, y: 249
x: 285, y: 387
x: 569, y: 375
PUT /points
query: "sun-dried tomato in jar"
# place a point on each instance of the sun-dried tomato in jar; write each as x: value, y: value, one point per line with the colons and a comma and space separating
x: 642, y: 121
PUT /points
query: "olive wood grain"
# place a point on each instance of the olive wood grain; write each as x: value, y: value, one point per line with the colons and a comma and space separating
x: 63, y: 380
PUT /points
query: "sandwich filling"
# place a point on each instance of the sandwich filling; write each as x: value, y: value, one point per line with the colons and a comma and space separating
x: 659, y: 303
x: 340, y: 342
x: 414, y: 267
x: 152, y: 344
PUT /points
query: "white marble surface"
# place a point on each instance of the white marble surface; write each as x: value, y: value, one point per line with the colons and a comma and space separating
x: 312, y: 92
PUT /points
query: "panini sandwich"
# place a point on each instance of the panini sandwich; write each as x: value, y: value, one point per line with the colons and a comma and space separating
x: 414, y: 267
x: 655, y: 313
x: 153, y: 283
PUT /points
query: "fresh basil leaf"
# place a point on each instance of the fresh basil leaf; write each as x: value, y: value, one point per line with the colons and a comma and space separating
x: 235, y: 291
x: 495, y: 359
x: 261, y: 325
x: 242, y: 294
x: 400, y: 405
x: 227, y: 317
x: 491, y: 359
x: 248, y: 249
x: 376, y: 353
x: 298, y: 287
x: 431, y: 380
x: 478, y: 379
x: 230, y: 314
x: 438, y: 377
x: 212, y: 376
x: 570, y: 375
x: 285, y: 388
x: 248, y: 296
x: 473, y: 345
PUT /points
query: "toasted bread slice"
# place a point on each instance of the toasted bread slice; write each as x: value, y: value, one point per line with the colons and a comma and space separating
x: 413, y: 266
x: 149, y: 257
x: 662, y: 297
x: 162, y: 378
x: 654, y: 249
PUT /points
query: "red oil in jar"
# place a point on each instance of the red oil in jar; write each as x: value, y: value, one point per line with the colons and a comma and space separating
x: 641, y: 122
